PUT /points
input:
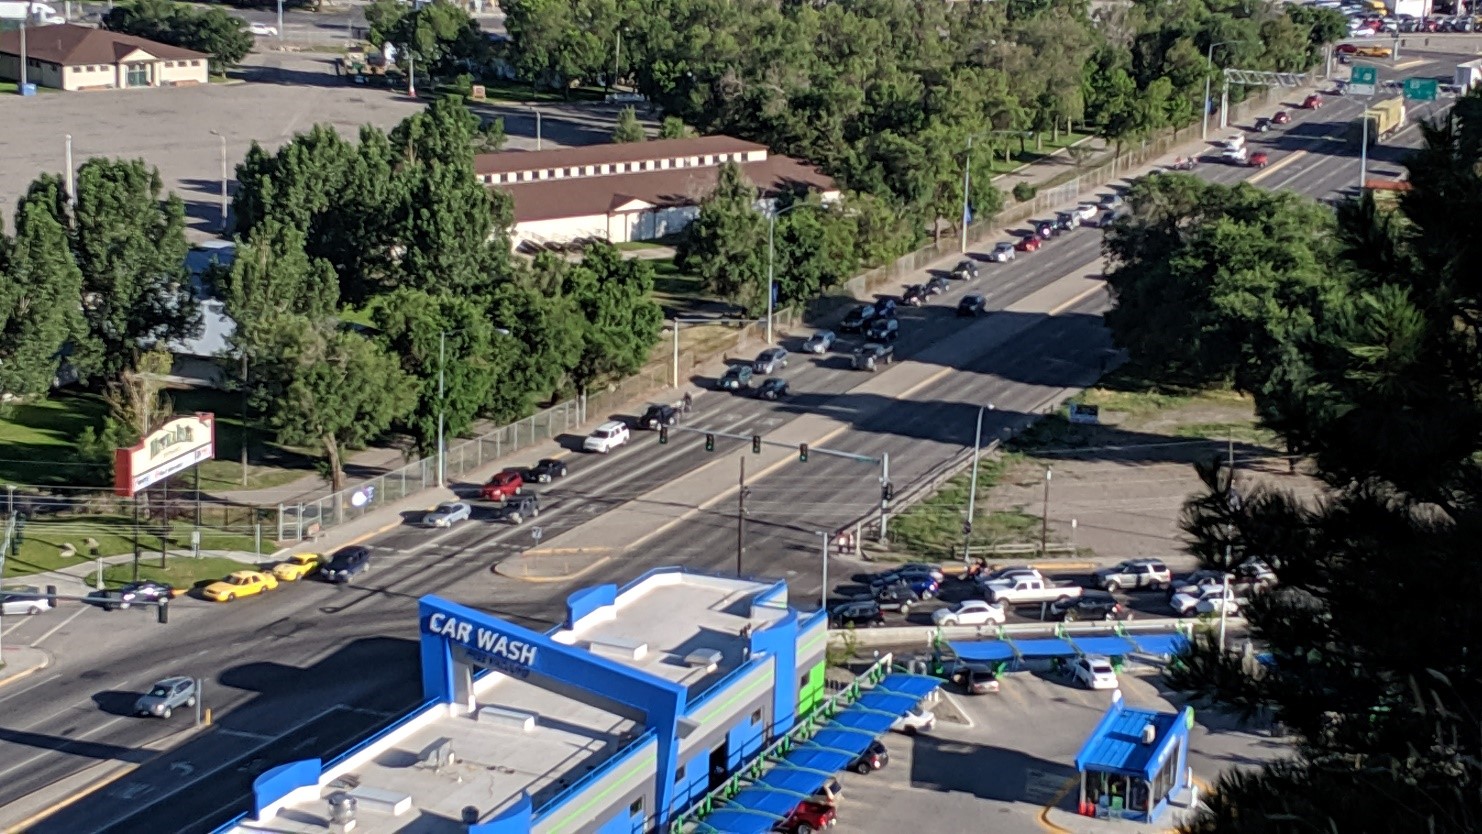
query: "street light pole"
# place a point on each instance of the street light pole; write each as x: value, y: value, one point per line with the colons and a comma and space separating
x: 280, y: 21
x: 1044, y: 519
x: 972, y: 490
x: 222, y: 137
x: 71, y: 183
x: 442, y: 355
x: 967, y: 168
x: 823, y: 594
x: 536, y: 111
x: 1209, y: 61
x: 771, y: 259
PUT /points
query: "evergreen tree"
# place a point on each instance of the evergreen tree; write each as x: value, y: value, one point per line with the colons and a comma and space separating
x: 40, y: 289
x: 726, y: 245
x: 628, y: 128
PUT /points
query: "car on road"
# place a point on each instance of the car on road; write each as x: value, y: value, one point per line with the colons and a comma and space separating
x: 1312, y: 102
x: 1029, y: 243
x: 884, y: 307
x: 974, y: 678
x: 262, y: 30
x: 1374, y: 52
x: 808, y: 817
x: 924, y: 567
x: 969, y: 612
x: 1045, y: 229
x: 896, y: 597
x: 1065, y: 221
x: 770, y: 361
x: 1206, y: 601
x: 984, y: 580
x: 23, y: 600
x: 345, y: 564
x: 856, y: 319
x: 914, y: 296
x: 516, y: 510
x: 923, y: 585
x: 773, y: 389
x: 1281, y: 117
x: 883, y: 330
x: 1134, y: 573
x: 1085, y: 212
x: 1094, y: 672
x: 1261, y: 125
x: 166, y: 696
x: 1254, y: 575
x: 972, y: 305
x: 871, y: 356
x: 860, y: 612
x: 503, y: 485
x: 966, y: 270
x: 1259, y: 159
x: 1235, y: 156
x: 1002, y: 253
x: 606, y: 437
x: 297, y: 566
x: 1095, y: 605
x: 658, y: 414
x: 917, y: 719
x: 447, y: 514
x: 1198, y: 582
x: 820, y: 342
x: 242, y: 583
x: 146, y: 590
x: 875, y: 757
x: 546, y: 470
x: 737, y: 378
x: 937, y: 284
x: 1026, y: 589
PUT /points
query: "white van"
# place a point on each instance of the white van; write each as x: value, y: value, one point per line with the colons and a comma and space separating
x: 1234, y: 143
x: 23, y: 599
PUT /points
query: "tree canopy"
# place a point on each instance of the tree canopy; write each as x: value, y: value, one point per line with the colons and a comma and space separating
x: 212, y: 31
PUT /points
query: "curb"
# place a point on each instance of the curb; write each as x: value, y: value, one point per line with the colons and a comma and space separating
x: 545, y: 580
x: 10, y: 679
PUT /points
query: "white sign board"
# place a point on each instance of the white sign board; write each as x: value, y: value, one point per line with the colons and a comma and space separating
x: 171, y: 449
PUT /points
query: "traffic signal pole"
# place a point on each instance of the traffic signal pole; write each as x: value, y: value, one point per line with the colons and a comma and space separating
x: 741, y: 520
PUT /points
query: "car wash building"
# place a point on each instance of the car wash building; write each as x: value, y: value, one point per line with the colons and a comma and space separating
x: 647, y: 700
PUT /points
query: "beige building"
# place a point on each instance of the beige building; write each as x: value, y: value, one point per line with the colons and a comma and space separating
x: 634, y: 190
x: 70, y: 57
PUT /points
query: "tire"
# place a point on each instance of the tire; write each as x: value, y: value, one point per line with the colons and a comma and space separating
x: 876, y: 623
x: 519, y: 490
x: 803, y: 828
x: 905, y: 608
x: 862, y: 768
x: 1112, y: 586
x: 948, y: 621
x: 927, y: 595
x: 514, y: 518
x: 229, y: 597
x: 191, y: 701
x: 167, y: 713
x: 535, y: 513
x: 31, y: 612
x: 1069, y: 616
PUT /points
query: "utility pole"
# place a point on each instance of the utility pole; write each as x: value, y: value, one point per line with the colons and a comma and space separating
x: 536, y: 111
x: 246, y: 433
x: 222, y: 137
x: 884, y: 493
x: 412, y: 77
x: 280, y: 21
x: 823, y: 594
x: 442, y: 355
x: 741, y: 520
x: 71, y: 185
x: 967, y: 166
x: 617, y: 59
x: 1224, y: 604
x: 21, y: 89
x: 972, y: 490
x: 1044, y: 519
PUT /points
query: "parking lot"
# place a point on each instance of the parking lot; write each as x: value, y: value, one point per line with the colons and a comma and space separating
x: 1005, y: 762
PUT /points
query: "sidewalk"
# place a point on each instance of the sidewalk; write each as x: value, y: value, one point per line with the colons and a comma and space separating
x: 22, y: 662
x: 81, y: 578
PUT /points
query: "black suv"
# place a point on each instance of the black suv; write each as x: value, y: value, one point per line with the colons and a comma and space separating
x: 883, y: 330
x: 914, y: 296
x: 658, y: 415
x: 346, y: 564
x: 937, y: 284
x: 1091, y: 605
x: 965, y: 270
x: 897, y: 596
x: 871, y: 356
x: 972, y: 305
x: 884, y: 306
x: 1064, y: 221
x: 875, y: 757
x: 773, y: 389
x: 857, y: 318
x: 546, y: 470
x: 858, y: 613
x: 517, y: 508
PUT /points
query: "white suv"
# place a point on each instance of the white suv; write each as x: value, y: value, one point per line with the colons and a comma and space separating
x: 606, y: 437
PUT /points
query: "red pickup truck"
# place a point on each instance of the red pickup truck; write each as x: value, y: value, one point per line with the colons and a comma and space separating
x: 807, y: 818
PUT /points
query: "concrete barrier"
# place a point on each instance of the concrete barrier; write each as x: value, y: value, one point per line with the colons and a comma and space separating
x: 925, y: 637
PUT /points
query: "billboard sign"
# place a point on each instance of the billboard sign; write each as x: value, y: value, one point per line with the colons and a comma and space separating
x: 169, y: 450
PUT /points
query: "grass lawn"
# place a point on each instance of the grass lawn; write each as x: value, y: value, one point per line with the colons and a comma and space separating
x: 271, y: 465
x: 44, y: 538
x: 179, y: 571
x: 1032, y: 154
x: 502, y: 90
x: 933, y: 528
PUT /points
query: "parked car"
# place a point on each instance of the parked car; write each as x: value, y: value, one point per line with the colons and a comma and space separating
x: 516, y: 510
x: 773, y: 389
x: 346, y: 564
x: 1085, y: 212
x: 972, y: 305
x: 969, y: 612
x: 297, y: 566
x: 917, y: 719
x: 1198, y: 582
x: 242, y: 583
x: 829, y: 794
x: 856, y: 613
x: 1312, y: 102
x: 1259, y: 159
x: 1029, y: 243
x: 1135, y: 573
x: 856, y: 319
x: 808, y: 817
x: 885, y: 307
x: 974, y: 678
x: 871, y: 356
x: 820, y: 342
x: 1002, y: 253
x: 1095, y: 605
x: 262, y: 30
x: 770, y: 361
x: 447, y: 514
x: 1281, y: 117
x: 166, y: 696
x: 614, y: 433
x: 503, y: 484
x: 966, y: 270
x: 875, y: 757
x: 914, y: 296
x: 883, y: 330
x: 898, y: 596
x: 1261, y: 125
x: 937, y: 284
x: 1206, y: 601
x: 737, y: 377
x: 546, y: 470
x: 658, y: 414
x: 1094, y: 672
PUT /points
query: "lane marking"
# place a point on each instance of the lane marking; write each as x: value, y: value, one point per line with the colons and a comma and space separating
x: 1276, y: 166
x: 58, y: 627
x: 13, y: 678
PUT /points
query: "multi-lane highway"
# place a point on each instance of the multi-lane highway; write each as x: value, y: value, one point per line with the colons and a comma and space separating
x: 305, y: 670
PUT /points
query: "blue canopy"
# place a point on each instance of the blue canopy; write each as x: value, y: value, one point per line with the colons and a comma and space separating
x: 1112, y: 646
x: 1173, y: 643
x: 990, y: 651
x: 1045, y: 647
x: 809, y: 765
x: 985, y: 652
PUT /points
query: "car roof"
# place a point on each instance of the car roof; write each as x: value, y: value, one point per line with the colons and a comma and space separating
x: 172, y: 680
x: 972, y: 296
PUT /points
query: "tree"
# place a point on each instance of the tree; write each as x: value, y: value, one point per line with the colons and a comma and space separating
x: 615, y: 296
x: 628, y: 128
x: 442, y: 37
x: 545, y: 341
x: 130, y: 245
x: 673, y: 127
x: 331, y: 389
x: 272, y: 277
x: 212, y: 31
x: 40, y: 289
x: 816, y: 251
x: 726, y: 244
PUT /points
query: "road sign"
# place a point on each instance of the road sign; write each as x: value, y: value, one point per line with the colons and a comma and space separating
x: 1421, y: 89
x: 1363, y: 81
x: 536, y: 533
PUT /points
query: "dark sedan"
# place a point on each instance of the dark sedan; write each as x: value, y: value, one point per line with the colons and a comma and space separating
x: 859, y: 613
x: 547, y: 470
x: 1091, y: 605
x: 774, y: 389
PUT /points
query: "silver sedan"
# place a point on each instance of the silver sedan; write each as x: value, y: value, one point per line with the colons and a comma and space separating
x: 448, y: 514
x: 820, y: 342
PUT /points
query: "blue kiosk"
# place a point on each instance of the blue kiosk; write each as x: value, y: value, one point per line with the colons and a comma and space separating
x: 1134, y: 763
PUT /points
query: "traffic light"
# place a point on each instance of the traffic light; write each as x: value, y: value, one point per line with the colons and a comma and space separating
x: 709, y: 442
x: 887, y: 492
x: 802, y: 452
x: 663, y: 434
x: 756, y: 444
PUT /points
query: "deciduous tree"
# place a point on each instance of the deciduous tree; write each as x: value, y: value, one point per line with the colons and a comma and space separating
x: 40, y: 293
x: 615, y: 297
x: 726, y: 244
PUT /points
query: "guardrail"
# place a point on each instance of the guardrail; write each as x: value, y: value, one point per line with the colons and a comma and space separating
x: 928, y: 636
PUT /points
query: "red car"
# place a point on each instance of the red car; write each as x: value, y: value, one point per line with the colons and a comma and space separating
x: 1345, y: 48
x: 1312, y: 102
x: 807, y: 818
x: 1281, y: 118
x: 1030, y: 243
x: 503, y: 485
x: 1258, y: 160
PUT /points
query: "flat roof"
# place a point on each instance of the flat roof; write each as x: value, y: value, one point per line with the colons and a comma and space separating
x: 1115, y: 746
x: 671, y: 616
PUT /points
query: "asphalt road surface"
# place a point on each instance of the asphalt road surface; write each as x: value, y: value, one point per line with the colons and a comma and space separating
x: 303, y: 671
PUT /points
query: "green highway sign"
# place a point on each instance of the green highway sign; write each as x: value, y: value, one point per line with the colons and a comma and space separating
x: 1421, y: 89
x: 1363, y: 81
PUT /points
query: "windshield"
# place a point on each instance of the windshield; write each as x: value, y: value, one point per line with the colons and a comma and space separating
x: 1101, y: 668
x: 159, y: 691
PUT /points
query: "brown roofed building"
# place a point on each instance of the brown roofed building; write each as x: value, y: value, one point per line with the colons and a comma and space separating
x: 71, y: 57
x: 635, y: 190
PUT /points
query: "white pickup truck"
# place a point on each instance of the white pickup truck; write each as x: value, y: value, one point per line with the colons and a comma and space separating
x: 1026, y: 588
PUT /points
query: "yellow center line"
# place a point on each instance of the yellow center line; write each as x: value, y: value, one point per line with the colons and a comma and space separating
x: 1277, y: 166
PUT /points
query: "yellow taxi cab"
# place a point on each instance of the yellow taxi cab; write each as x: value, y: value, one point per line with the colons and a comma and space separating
x: 1374, y: 52
x: 298, y: 566
x: 243, y: 583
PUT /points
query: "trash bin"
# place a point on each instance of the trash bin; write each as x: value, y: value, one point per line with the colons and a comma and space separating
x: 28, y: 89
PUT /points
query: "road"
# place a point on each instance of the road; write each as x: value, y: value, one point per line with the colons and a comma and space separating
x: 306, y: 670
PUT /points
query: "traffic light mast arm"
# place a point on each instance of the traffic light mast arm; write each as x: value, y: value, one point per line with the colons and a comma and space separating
x: 703, y: 432
x: 163, y: 605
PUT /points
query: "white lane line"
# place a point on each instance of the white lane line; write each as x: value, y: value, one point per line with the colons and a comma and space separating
x: 58, y: 627
x: 62, y: 747
x: 37, y: 684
